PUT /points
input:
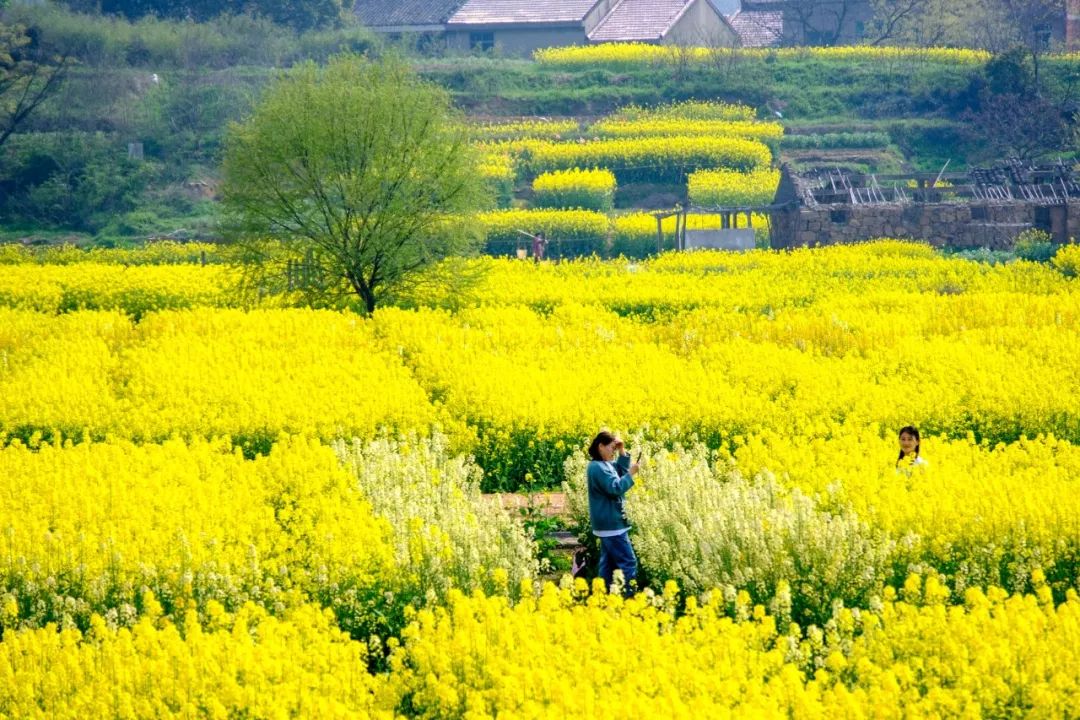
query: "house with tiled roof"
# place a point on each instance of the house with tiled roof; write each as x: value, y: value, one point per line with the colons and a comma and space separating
x: 758, y: 28
x: 518, y: 27
x: 671, y: 22
x: 406, y: 16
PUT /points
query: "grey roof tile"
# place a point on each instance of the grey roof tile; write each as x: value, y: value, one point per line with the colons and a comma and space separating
x: 638, y: 20
x: 759, y: 28
x: 401, y: 13
x: 507, y: 12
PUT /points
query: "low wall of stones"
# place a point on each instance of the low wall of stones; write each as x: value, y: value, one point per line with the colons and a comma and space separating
x: 959, y: 225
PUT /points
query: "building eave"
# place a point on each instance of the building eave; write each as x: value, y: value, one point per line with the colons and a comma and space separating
x: 406, y: 28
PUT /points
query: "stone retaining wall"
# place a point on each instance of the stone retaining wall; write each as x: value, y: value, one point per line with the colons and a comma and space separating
x: 960, y: 225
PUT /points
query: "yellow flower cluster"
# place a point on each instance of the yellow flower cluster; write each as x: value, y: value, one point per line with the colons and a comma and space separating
x: 724, y: 344
x: 196, y: 577
x: 576, y: 188
x: 712, y: 188
x: 497, y: 167
x: 588, y: 229
x: 1067, y: 260
x: 163, y: 252
x: 481, y: 658
x: 650, y: 157
x: 203, y: 373
x: 499, y: 173
x: 832, y: 516
x: 530, y: 128
x: 664, y: 126
x: 116, y: 286
x: 88, y: 528
x: 243, y: 664
x: 635, y: 54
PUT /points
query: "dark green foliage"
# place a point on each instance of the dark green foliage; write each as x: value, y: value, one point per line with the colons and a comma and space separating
x: 163, y: 45
x: 836, y: 140
x: 1011, y: 73
x: 297, y: 14
x: 1035, y: 245
x: 74, y: 181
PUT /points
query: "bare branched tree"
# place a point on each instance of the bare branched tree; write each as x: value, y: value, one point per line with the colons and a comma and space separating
x: 28, y: 77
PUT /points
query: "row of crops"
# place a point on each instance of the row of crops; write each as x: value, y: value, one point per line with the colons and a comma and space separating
x: 717, y: 152
x: 219, y: 511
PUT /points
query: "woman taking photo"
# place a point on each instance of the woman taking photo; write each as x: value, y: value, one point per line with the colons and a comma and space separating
x: 610, y: 475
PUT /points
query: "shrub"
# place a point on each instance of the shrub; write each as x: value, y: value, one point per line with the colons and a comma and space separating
x: 825, y: 141
x: 1067, y: 260
x: 1035, y: 245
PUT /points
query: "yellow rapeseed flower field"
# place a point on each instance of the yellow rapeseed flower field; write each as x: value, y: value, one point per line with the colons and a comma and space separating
x: 635, y: 54
x: 711, y: 188
x: 215, y: 511
x: 576, y: 188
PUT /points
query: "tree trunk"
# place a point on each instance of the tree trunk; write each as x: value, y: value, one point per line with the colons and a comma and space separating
x: 365, y: 291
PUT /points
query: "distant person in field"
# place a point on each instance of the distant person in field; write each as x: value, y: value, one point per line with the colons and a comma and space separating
x: 539, y: 246
x: 610, y: 474
x: 909, y: 450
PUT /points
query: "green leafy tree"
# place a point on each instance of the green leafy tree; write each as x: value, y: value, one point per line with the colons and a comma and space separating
x: 358, y: 171
x: 297, y: 14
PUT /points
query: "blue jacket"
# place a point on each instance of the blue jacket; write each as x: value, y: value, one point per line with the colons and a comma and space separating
x: 608, y: 483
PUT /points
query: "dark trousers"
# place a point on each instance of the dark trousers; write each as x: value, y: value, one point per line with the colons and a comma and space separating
x: 616, y: 553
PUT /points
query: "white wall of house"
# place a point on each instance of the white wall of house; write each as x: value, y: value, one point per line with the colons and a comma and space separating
x: 518, y: 42
x: 700, y: 25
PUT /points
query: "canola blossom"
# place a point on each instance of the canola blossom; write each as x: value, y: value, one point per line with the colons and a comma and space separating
x: 999, y: 654
x: 505, y: 229
x: 531, y: 128
x: 84, y: 283
x: 480, y: 656
x: 89, y: 529
x: 806, y: 521
x: 667, y: 126
x: 713, y: 345
x: 651, y: 156
x: 159, y: 252
x: 630, y: 55
x: 710, y: 188
x: 202, y: 373
x: 279, y: 511
x: 246, y: 663
x: 576, y: 188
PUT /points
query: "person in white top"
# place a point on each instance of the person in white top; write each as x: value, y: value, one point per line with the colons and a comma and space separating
x: 909, y: 449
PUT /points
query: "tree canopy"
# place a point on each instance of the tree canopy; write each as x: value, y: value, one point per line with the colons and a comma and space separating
x: 358, y: 172
x: 28, y: 77
x: 297, y: 14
